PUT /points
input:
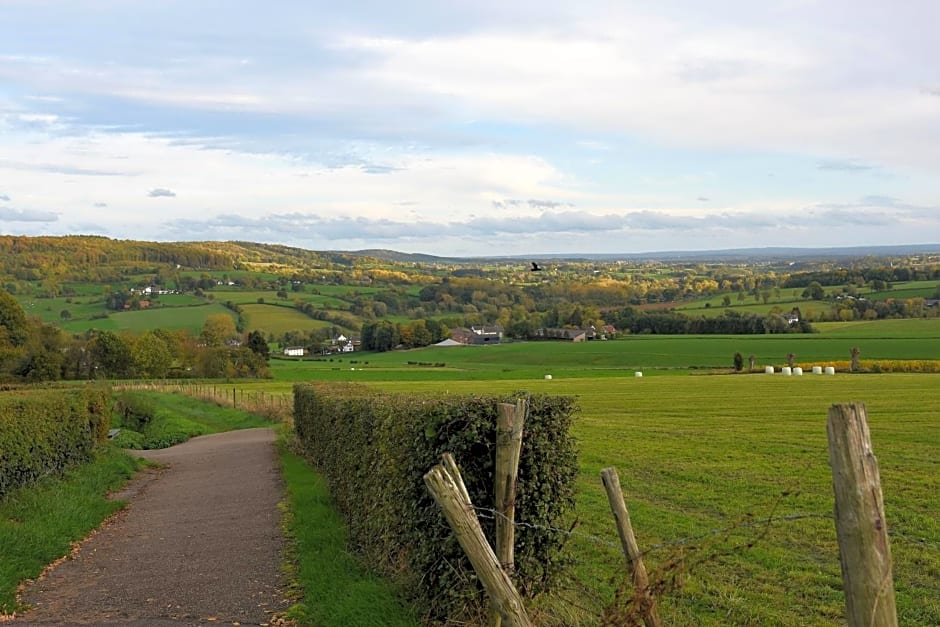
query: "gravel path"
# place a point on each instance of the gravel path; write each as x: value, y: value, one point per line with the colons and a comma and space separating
x: 199, y: 543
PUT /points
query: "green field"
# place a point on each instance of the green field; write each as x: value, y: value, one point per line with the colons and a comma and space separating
x: 190, y: 318
x: 700, y: 454
x: 705, y: 461
x: 908, y: 289
x: 785, y: 303
x: 653, y: 354
x: 278, y: 320
x: 926, y: 328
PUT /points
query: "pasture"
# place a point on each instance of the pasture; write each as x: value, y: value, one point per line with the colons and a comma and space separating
x: 653, y: 354
x: 278, y: 319
x: 189, y: 318
x: 726, y: 476
x: 706, y: 461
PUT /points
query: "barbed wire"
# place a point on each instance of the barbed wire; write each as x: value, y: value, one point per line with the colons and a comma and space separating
x: 919, y: 542
x: 492, y: 514
x: 764, y: 521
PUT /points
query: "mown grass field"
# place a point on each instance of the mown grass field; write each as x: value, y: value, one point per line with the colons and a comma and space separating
x: 698, y: 454
x: 652, y: 354
x: 705, y: 461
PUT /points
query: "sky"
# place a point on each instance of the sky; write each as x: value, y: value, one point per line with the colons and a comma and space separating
x: 473, y: 128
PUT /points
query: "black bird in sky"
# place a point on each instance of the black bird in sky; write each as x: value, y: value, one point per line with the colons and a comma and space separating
x: 535, y: 267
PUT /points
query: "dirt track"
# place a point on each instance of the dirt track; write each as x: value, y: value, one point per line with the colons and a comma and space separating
x: 199, y: 542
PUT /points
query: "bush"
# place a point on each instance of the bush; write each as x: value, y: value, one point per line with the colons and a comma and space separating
x: 44, y: 432
x: 375, y: 449
x: 135, y: 410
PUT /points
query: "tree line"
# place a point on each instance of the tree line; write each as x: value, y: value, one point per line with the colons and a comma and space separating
x: 32, y: 351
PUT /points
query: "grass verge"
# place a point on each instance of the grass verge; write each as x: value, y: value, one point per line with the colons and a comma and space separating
x: 39, y: 523
x: 338, y: 590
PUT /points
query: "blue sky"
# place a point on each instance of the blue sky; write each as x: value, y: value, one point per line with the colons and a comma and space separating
x: 473, y: 128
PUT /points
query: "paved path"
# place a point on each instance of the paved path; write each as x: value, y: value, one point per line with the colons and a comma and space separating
x: 199, y: 542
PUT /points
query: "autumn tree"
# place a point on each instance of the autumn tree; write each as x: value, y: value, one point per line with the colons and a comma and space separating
x: 14, y: 329
x: 151, y: 355
x: 109, y: 355
x: 218, y: 329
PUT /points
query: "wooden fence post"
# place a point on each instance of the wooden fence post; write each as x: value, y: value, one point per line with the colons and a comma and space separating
x: 509, y: 423
x: 451, y: 496
x: 864, y: 549
x: 631, y: 549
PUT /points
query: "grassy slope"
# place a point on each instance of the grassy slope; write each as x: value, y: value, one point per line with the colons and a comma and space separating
x: 178, y: 418
x: 278, y: 319
x: 38, y: 524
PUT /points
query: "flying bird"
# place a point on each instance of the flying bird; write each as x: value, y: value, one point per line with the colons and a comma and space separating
x: 535, y: 267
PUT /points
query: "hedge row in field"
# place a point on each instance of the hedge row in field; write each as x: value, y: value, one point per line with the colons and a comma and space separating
x: 375, y: 449
x: 44, y: 431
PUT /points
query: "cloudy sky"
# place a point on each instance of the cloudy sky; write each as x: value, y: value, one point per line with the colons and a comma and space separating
x: 477, y: 127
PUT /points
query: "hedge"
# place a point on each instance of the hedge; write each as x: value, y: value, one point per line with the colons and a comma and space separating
x: 374, y: 450
x: 44, y: 431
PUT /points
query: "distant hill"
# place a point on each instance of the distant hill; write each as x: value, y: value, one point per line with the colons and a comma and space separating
x: 746, y: 254
x: 778, y: 253
x: 30, y: 258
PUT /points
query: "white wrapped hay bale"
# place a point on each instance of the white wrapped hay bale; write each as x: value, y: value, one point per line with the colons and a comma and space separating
x: 768, y: 369
x: 797, y: 372
x: 637, y: 374
x: 817, y: 369
x: 830, y: 370
x: 548, y: 377
x: 786, y: 371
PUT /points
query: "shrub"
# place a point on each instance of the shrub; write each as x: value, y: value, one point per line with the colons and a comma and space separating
x: 374, y: 450
x: 44, y: 432
x: 135, y: 410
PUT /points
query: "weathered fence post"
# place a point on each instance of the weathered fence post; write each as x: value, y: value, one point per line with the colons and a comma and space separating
x: 631, y: 550
x: 509, y: 423
x: 447, y: 487
x: 864, y: 549
x: 508, y: 449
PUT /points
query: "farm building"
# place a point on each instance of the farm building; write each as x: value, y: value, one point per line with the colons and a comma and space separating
x: 294, y: 351
x: 566, y: 335
x: 478, y: 335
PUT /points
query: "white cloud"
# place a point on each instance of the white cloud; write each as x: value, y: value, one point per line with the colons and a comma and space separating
x: 549, y: 124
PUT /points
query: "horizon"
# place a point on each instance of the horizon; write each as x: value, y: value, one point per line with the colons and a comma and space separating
x: 472, y: 130
x: 765, y: 252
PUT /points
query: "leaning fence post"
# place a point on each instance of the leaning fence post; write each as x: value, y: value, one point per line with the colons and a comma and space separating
x: 864, y: 549
x: 450, y: 495
x: 631, y: 550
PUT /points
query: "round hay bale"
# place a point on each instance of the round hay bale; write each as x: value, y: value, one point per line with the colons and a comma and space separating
x: 817, y: 369
x: 797, y: 372
x: 768, y: 369
x: 637, y: 374
x: 830, y: 370
x: 548, y: 377
x: 786, y: 371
